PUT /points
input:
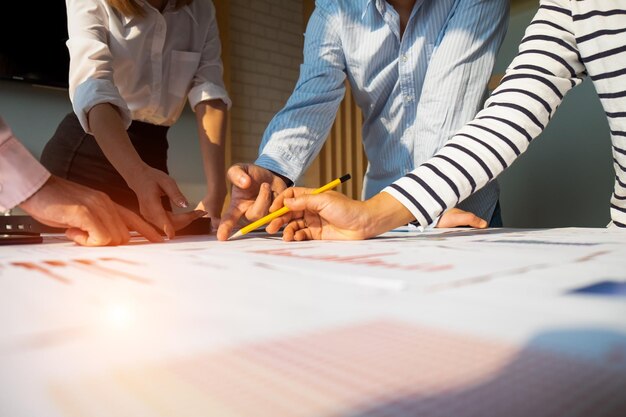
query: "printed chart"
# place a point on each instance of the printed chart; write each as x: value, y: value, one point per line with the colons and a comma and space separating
x: 446, y: 322
x: 373, y: 369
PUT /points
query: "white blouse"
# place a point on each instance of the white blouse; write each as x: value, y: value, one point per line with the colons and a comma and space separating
x: 146, y: 66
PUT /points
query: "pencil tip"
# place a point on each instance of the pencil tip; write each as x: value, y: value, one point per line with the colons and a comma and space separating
x: 235, y: 236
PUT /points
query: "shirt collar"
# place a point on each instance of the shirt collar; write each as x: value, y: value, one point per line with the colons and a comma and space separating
x: 379, y: 4
x: 126, y: 19
x: 187, y: 9
x: 169, y: 7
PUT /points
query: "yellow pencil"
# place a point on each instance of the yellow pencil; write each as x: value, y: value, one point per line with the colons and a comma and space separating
x: 285, y: 209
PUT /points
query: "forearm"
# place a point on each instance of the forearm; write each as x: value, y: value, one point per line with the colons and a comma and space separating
x: 148, y: 183
x: 110, y: 134
x: 297, y: 132
x: 295, y: 136
x: 212, y: 121
x: 385, y: 213
x: 516, y: 113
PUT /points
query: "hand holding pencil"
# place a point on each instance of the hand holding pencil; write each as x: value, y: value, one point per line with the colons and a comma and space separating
x: 334, y: 216
x: 278, y: 209
x: 312, y: 214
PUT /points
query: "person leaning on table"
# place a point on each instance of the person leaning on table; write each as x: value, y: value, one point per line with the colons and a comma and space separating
x: 565, y: 42
x: 417, y: 69
x: 133, y: 66
x: 91, y: 217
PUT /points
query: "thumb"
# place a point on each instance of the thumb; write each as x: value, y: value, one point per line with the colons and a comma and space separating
x: 238, y: 176
x: 77, y: 235
x: 85, y: 238
x: 173, y: 193
x: 478, y: 223
x: 305, y: 202
x: 180, y: 220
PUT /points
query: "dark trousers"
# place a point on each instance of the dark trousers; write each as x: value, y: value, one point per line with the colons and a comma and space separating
x: 76, y: 156
x: 496, y: 218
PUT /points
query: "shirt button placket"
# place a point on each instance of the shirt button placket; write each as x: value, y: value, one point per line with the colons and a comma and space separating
x: 157, y: 62
x: 405, y: 77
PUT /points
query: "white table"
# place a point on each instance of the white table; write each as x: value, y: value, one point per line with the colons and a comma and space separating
x: 454, y: 322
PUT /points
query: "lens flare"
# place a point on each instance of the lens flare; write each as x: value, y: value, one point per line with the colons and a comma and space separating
x: 119, y: 316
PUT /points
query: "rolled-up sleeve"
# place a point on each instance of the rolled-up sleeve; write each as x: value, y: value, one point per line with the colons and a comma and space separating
x: 208, y: 82
x: 91, y: 78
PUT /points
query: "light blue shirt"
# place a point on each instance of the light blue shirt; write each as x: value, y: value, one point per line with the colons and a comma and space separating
x: 415, y: 90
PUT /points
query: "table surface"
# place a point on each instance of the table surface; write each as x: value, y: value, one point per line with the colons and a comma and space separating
x: 450, y: 322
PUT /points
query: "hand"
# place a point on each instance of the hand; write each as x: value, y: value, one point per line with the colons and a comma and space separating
x: 149, y: 184
x: 332, y: 215
x: 252, y: 193
x: 91, y: 217
x: 458, y: 218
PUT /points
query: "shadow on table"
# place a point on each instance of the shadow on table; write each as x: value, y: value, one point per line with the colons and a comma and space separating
x: 541, y: 380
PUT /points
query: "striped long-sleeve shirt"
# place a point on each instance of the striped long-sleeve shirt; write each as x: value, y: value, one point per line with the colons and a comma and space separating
x: 566, y: 41
x: 416, y: 89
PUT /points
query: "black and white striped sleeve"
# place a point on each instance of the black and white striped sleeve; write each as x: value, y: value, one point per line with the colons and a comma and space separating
x: 547, y: 66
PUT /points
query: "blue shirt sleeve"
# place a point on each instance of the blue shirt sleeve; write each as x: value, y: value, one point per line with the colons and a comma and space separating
x: 297, y: 133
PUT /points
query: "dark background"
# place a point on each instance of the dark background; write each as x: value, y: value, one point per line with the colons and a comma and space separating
x: 32, y: 42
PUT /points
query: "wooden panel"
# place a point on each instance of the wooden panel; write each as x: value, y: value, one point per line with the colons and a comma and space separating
x: 307, y: 8
x: 222, y: 9
x: 494, y: 81
x: 343, y: 151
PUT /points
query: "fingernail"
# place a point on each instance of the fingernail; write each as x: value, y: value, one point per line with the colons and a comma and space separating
x: 182, y: 203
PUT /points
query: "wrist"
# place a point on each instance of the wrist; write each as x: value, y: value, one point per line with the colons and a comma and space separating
x: 37, y: 200
x: 385, y: 213
x: 132, y: 173
x: 287, y: 181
